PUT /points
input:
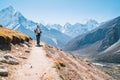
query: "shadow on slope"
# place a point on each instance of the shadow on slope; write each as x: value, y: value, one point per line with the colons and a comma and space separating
x: 9, y: 36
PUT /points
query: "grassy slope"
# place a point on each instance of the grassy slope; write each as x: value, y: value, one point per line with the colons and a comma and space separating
x: 8, y: 36
x: 70, y: 67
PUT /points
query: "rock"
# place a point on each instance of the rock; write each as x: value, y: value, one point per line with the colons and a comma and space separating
x: 3, y: 71
x: 6, y: 56
x: 16, y: 48
x: 9, y: 59
x: 12, y: 61
x: 23, y: 57
x: 25, y: 45
x: 27, y: 51
x: 2, y: 59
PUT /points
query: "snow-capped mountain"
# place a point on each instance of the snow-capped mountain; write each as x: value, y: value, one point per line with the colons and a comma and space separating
x: 102, y: 43
x: 76, y: 29
x: 10, y: 18
x: 15, y: 20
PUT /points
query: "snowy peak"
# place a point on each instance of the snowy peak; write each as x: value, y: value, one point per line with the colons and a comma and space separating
x: 10, y: 18
x: 76, y: 29
x: 18, y: 14
x: 20, y: 17
x: 15, y: 20
x: 54, y: 26
x: 99, y: 41
x: 78, y: 24
x: 68, y: 24
x: 9, y: 9
x: 91, y: 21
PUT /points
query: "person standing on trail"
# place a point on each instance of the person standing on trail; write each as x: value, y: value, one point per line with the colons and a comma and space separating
x: 38, y: 34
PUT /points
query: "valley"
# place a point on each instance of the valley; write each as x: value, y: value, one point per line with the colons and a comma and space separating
x: 27, y: 61
x: 79, y: 51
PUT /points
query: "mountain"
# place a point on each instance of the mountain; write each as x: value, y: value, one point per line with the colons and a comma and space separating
x: 47, y: 63
x: 54, y: 37
x: 79, y: 29
x: 15, y: 20
x: 102, y: 43
x: 70, y: 67
x: 75, y: 29
x: 10, y: 18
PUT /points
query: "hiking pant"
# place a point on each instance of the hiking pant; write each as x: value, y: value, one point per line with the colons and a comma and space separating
x: 38, y: 38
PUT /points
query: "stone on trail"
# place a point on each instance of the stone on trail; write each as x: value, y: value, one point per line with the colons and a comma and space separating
x: 3, y: 71
x: 9, y: 59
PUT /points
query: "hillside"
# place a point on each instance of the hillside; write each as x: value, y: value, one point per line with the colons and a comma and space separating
x: 9, y: 36
x: 50, y: 63
x: 70, y: 67
x: 27, y: 62
x: 99, y: 42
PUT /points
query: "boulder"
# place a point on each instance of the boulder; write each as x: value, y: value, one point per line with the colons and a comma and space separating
x: 27, y: 51
x: 8, y: 58
x: 23, y: 57
x: 3, y: 71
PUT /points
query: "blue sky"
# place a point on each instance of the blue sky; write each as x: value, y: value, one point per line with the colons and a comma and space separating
x: 62, y: 11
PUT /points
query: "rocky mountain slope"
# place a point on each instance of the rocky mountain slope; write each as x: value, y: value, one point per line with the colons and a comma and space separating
x: 50, y: 63
x: 70, y: 67
x: 25, y: 61
x: 12, y: 44
x: 9, y: 36
x: 103, y: 41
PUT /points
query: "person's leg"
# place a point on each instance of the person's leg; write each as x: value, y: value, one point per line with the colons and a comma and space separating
x: 37, y: 39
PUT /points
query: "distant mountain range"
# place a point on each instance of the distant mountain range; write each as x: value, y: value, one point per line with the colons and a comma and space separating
x: 55, y: 35
x: 102, y: 43
x: 76, y: 29
x: 15, y: 20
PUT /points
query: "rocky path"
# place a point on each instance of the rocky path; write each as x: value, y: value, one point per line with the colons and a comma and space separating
x: 37, y: 67
x: 50, y: 63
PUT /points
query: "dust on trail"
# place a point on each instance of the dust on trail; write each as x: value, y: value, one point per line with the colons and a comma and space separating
x: 37, y: 67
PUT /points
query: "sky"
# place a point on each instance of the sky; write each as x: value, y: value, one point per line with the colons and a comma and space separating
x: 63, y: 11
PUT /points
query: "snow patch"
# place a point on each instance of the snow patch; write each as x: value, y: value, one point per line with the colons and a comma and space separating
x: 55, y: 41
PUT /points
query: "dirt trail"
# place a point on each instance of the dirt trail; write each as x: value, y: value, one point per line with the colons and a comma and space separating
x: 50, y: 63
x: 37, y: 67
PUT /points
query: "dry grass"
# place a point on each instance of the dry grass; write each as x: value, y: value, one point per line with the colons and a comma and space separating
x: 5, y: 32
x: 70, y: 67
x: 8, y: 36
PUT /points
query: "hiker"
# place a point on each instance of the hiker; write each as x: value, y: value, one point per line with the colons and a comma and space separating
x: 38, y: 34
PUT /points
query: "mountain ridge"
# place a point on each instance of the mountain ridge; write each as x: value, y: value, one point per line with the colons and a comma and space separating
x: 15, y: 20
x: 97, y: 40
x: 76, y: 29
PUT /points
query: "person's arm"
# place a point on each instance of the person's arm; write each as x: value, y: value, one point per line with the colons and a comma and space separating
x: 40, y: 31
x: 35, y: 30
